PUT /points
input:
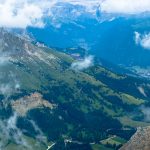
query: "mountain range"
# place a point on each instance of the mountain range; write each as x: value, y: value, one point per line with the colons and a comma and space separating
x: 47, y: 103
x: 94, y: 34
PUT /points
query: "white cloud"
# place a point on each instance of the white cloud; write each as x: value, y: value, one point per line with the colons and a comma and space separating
x: 40, y: 135
x: 83, y: 64
x: 125, y: 6
x: 146, y: 41
x: 142, y: 91
x: 137, y: 37
x: 10, y: 132
x: 90, y: 5
x: 143, y: 40
x: 113, y: 6
x: 23, y: 13
x: 146, y: 112
x: 3, y: 60
x: 10, y: 87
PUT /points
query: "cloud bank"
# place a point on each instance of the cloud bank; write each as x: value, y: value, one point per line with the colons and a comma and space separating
x: 125, y: 6
x: 24, y: 13
x: 83, y: 64
x: 143, y: 40
x: 114, y: 6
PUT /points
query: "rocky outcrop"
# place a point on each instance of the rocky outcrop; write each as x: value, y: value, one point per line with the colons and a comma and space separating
x: 27, y: 103
x: 139, y: 141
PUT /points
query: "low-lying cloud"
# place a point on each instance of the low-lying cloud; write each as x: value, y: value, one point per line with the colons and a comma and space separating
x: 10, y: 87
x: 142, y: 91
x: 146, y: 112
x: 83, y: 64
x: 9, y: 132
x: 3, y: 60
x: 143, y: 40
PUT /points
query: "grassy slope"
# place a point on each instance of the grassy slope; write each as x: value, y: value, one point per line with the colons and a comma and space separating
x: 96, y: 95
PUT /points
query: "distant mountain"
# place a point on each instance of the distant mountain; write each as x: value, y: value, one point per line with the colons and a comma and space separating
x: 45, y: 102
x: 112, y: 39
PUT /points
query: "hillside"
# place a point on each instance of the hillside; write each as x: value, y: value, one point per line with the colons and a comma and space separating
x: 44, y: 100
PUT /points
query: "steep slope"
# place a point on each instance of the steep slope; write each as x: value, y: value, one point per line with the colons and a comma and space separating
x: 140, y: 141
x: 49, y: 102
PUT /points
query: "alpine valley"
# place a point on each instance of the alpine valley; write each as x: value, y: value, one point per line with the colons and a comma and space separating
x: 48, y: 104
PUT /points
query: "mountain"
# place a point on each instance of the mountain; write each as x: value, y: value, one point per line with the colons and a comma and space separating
x: 94, y: 35
x: 45, y: 102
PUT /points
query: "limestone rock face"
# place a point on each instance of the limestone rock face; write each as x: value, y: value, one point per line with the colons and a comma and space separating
x: 25, y: 104
x: 139, y: 141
